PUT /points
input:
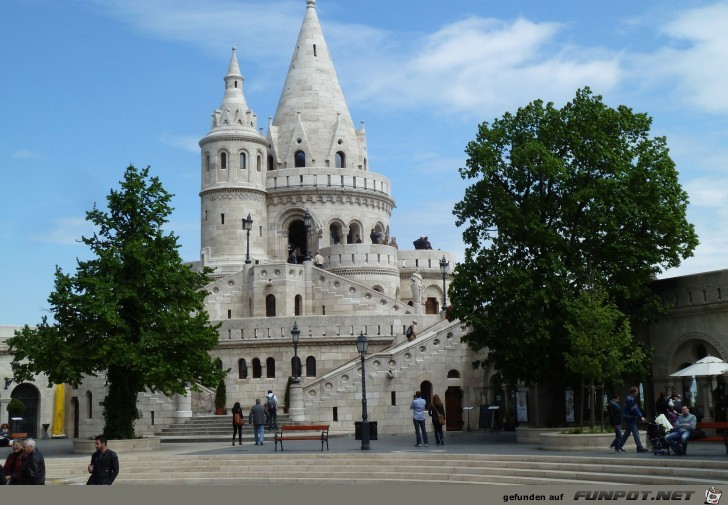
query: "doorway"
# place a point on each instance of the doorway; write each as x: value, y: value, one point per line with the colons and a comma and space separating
x: 426, y: 392
x: 30, y: 396
x: 76, y: 416
x: 432, y: 306
x: 454, y: 408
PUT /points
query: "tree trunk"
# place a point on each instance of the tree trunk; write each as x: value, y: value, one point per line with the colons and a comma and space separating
x: 592, y: 401
x: 120, y: 405
x: 581, y: 404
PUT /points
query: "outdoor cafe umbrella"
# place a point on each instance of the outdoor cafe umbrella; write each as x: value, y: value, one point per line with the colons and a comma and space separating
x: 705, y: 367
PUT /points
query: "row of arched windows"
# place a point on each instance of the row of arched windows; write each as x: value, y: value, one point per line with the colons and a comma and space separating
x: 299, y: 159
x: 242, y: 162
x: 270, y: 367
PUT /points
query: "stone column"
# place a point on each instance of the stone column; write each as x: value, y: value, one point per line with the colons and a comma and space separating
x: 295, y: 409
x: 184, y: 407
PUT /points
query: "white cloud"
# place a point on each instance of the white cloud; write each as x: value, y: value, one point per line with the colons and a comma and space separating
x: 24, y: 154
x: 186, y: 142
x: 695, y: 63
x: 483, y: 66
x: 66, y: 231
x: 263, y: 28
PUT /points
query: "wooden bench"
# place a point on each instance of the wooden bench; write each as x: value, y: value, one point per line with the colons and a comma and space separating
x: 291, y: 432
x: 720, y: 437
x: 13, y: 436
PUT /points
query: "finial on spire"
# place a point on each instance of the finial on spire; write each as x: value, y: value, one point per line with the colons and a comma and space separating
x: 311, y: 3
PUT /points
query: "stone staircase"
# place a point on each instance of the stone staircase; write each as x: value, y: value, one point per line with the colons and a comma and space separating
x: 210, y: 428
x: 396, y: 468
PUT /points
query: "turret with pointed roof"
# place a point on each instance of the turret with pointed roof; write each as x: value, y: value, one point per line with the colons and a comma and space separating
x: 312, y: 117
x: 233, y: 172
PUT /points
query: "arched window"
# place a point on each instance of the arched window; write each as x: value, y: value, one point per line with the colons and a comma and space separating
x: 223, y: 161
x: 310, y: 366
x: 243, y: 161
x: 270, y: 306
x: 89, y: 405
x: 270, y: 368
x: 257, y: 372
x: 207, y: 162
x: 300, y: 159
x: 340, y: 159
x: 298, y: 302
x: 259, y: 163
x: 242, y: 369
x: 270, y: 163
x: 453, y: 374
x: 295, y: 366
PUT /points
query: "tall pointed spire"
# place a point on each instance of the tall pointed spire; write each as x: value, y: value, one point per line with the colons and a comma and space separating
x: 233, y: 111
x: 312, y: 114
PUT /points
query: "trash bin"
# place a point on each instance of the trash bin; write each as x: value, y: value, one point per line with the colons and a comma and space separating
x: 372, y: 430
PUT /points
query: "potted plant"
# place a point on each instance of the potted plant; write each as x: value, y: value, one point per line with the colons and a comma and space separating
x: 220, y: 398
x: 15, y: 408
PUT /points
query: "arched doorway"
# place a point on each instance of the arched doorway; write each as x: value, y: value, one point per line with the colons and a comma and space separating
x: 454, y: 408
x: 426, y: 392
x: 30, y: 396
x: 297, y: 239
x: 432, y: 306
x: 76, y: 416
x: 298, y: 304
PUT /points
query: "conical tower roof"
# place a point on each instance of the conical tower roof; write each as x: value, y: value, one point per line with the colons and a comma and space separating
x: 312, y: 114
x: 234, y: 113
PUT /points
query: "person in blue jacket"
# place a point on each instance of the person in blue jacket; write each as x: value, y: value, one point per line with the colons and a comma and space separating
x: 631, y: 413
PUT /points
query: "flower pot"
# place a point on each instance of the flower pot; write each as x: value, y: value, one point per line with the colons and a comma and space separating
x: 219, y: 411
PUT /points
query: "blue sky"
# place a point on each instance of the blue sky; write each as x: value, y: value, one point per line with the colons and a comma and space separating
x: 90, y: 86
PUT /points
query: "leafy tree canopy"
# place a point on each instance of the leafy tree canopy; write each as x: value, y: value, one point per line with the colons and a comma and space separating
x: 559, y: 197
x: 134, y: 312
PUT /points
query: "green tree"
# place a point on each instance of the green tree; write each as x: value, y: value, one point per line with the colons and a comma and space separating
x: 560, y: 196
x: 134, y: 312
x: 601, y: 347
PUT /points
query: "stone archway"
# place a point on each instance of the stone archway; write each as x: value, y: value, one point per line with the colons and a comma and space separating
x: 76, y: 416
x: 426, y: 392
x: 30, y: 396
x: 454, y: 408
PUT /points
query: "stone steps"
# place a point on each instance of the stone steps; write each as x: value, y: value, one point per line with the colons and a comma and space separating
x: 210, y: 428
x: 396, y: 468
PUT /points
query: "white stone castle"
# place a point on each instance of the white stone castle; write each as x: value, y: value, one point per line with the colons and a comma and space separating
x: 304, y: 186
x: 267, y: 201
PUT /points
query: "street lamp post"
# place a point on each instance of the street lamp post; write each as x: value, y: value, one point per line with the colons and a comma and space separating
x: 296, y: 335
x: 444, y: 264
x: 362, y: 345
x: 307, y: 223
x: 247, y: 226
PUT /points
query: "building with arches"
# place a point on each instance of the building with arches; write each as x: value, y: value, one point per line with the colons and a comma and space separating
x: 305, y: 182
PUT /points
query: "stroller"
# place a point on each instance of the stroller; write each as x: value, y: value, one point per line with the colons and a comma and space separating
x: 656, y: 434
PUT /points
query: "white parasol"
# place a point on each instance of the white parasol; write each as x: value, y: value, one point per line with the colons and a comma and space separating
x: 707, y: 366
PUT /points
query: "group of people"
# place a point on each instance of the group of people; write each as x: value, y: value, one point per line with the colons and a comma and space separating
x: 436, y: 412
x: 422, y: 243
x: 683, y: 423
x: 25, y: 465
x: 260, y: 416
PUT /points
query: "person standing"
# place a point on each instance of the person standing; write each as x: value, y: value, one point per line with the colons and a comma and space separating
x: 614, y: 412
x: 104, y: 466
x: 4, y: 435
x: 237, y: 423
x: 33, y: 471
x: 257, y: 419
x: 271, y: 402
x: 661, y: 405
x: 418, y: 418
x: 630, y: 414
x: 14, y: 462
x: 437, y: 409
x: 318, y: 260
x: 682, y: 428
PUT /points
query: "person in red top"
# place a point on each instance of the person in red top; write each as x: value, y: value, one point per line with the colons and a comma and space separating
x: 14, y: 462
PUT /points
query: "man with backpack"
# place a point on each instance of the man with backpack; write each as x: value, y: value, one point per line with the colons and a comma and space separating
x: 271, y: 402
x: 411, y: 332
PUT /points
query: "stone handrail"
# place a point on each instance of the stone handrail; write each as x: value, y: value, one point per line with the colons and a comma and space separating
x: 322, y: 178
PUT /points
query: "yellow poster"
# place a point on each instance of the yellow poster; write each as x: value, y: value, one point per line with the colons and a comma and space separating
x: 58, y: 412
